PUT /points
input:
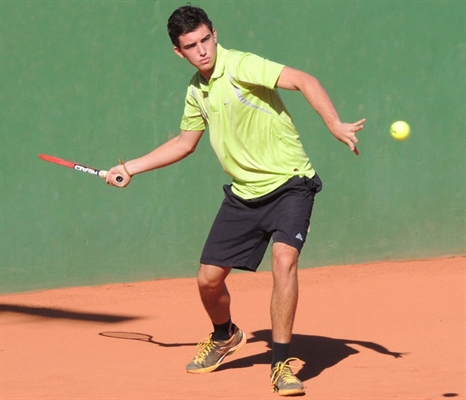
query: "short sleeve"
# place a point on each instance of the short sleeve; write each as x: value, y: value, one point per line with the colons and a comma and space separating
x: 252, y: 69
x: 193, y: 118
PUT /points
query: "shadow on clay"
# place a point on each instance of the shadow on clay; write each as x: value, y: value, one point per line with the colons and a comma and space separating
x: 58, y: 313
x: 318, y: 352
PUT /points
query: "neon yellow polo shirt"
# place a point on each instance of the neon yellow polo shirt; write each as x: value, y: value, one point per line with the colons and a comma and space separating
x: 251, y: 131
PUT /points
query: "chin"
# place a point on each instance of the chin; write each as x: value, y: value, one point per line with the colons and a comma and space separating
x: 205, y: 69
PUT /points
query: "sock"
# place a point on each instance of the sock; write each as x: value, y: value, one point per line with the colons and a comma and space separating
x: 223, y: 331
x: 280, y: 352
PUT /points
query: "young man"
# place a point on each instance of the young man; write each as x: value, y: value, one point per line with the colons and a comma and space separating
x: 273, y: 182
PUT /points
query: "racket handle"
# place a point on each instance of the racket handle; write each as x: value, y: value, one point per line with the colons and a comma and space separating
x: 103, y: 175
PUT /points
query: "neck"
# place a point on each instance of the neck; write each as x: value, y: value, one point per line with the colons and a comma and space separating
x: 206, y: 75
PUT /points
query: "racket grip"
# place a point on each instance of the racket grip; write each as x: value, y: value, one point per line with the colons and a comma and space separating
x: 103, y: 175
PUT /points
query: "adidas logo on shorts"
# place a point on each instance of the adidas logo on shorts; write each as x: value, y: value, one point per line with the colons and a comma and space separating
x: 299, y: 237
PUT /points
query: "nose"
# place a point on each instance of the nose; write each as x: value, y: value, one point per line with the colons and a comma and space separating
x: 202, y: 50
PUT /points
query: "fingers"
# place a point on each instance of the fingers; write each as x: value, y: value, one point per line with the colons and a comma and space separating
x: 346, y: 133
x: 352, y: 140
x: 351, y: 145
x: 361, y: 121
x: 117, y: 177
x: 359, y: 125
x: 120, y: 184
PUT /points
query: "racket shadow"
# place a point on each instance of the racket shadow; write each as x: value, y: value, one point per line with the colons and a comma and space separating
x: 141, y: 337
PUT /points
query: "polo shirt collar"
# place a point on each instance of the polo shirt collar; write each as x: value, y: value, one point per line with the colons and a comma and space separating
x: 219, y: 63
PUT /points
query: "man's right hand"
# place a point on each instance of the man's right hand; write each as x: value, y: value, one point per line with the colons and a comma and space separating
x: 115, y: 172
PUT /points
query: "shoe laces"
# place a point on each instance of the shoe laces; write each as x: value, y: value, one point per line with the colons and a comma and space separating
x: 204, y: 347
x: 283, y: 369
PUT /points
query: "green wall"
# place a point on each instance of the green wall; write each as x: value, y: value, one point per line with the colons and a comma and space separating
x: 95, y: 81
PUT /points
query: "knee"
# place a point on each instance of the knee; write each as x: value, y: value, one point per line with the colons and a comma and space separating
x: 284, y: 261
x: 210, y: 278
x: 285, y: 271
x: 205, y: 283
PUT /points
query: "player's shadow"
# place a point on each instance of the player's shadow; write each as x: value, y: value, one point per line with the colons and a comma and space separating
x: 318, y: 352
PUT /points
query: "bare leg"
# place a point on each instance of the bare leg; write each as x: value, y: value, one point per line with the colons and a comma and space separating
x: 216, y: 300
x: 283, y: 310
x: 285, y: 291
x: 214, y: 292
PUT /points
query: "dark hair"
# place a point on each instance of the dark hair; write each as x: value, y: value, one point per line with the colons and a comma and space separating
x: 184, y: 20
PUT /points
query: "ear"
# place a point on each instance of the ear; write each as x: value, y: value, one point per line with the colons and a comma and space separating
x: 214, y: 32
x: 178, y: 52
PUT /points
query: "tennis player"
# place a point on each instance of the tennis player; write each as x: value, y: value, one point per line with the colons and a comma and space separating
x: 273, y: 182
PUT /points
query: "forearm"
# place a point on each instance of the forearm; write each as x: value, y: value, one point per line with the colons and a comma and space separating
x: 169, y: 153
x: 316, y: 95
x: 318, y: 98
x: 313, y: 91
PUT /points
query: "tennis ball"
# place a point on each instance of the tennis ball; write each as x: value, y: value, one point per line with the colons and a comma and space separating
x: 400, y: 130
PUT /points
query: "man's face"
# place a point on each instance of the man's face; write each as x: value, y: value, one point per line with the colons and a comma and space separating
x: 200, y: 49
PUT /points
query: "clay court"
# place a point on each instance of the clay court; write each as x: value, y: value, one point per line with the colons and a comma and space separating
x: 388, y: 330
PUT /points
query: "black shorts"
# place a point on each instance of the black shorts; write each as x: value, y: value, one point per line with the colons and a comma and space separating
x: 242, y: 229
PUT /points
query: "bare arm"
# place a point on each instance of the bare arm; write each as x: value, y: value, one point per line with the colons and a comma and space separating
x: 168, y: 153
x: 315, y: 94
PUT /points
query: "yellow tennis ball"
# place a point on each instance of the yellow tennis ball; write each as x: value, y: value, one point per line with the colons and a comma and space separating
x: 400, y: 130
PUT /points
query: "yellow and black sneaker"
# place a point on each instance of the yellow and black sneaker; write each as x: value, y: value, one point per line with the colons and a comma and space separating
x: 211, y: 353
x: 284, y: 381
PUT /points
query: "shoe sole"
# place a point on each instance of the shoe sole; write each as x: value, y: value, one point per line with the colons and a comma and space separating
x: 233, y: 350
x: 291, y: 392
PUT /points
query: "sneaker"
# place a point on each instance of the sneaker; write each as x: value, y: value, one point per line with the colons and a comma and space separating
x: 211, y: 353
x: 283, y: 381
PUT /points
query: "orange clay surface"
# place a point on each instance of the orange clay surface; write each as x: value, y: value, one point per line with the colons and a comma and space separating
x: 388, y: 330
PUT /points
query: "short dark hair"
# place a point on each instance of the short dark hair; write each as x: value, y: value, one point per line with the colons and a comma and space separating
x: 184, y: 20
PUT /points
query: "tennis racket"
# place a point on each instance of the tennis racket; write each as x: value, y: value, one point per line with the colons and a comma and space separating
x: 78, y: 167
